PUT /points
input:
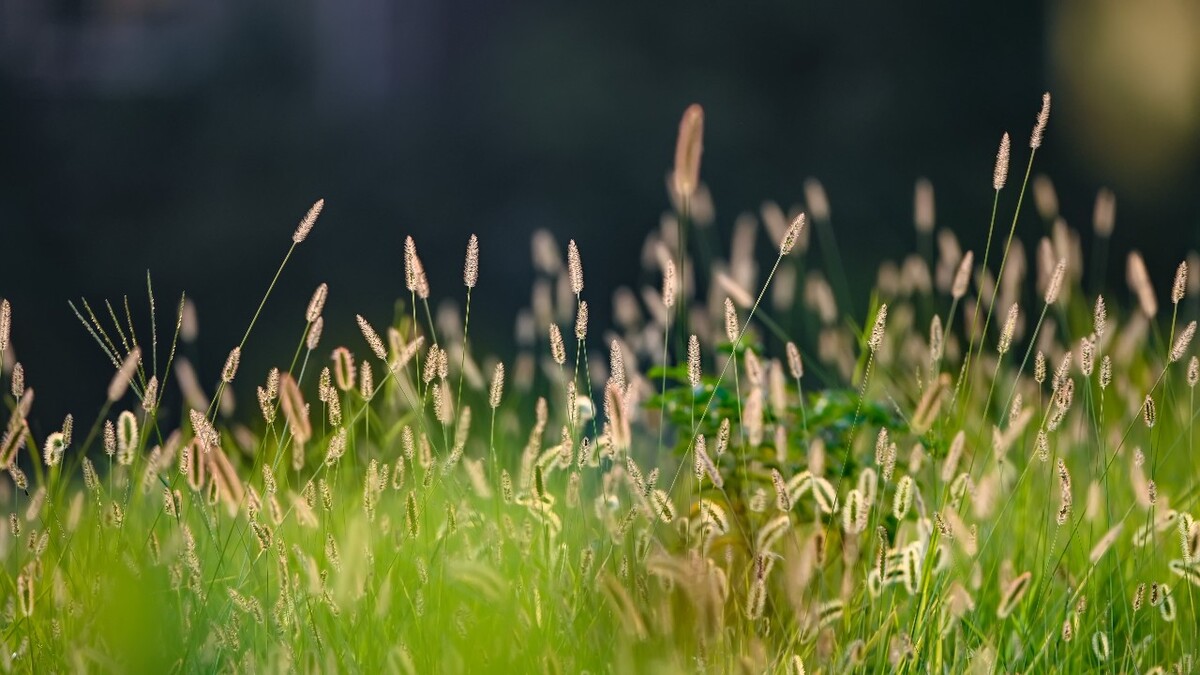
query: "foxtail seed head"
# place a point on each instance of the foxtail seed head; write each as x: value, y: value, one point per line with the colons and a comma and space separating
x: 317, y: 304
x: 310, y: 219
x: 574, y: 268
x: 688, y: 148
x: 471, y: 266
x: 962, y: 278
x: 1000, y: 174
x: 1039, y: 128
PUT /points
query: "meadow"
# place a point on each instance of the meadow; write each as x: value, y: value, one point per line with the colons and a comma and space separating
x: 987, y: 467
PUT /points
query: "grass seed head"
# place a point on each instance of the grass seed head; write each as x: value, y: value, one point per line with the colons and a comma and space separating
x: 1039, y: 128
x: 1000, y: 174
x: 1179, y: 287
x: 5, y: 326
x: 307, y: 223
x: 471, y: 266
x: 574, y: 268
x: 317, y: 304
x: 689, y: 145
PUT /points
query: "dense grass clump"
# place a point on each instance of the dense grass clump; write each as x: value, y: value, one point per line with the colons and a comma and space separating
x: 988, y: 470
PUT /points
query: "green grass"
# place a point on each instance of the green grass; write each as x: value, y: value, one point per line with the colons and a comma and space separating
x: 738, y: 517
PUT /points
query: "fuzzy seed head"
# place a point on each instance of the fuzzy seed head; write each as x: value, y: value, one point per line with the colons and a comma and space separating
x: 471, y: 266
x: 1105, y: 371
x: 1193, y: 371
x: 310, y: 219
x: 313, y: 339
x: 574, y: 268
x: 581, y: 321
x: 731, y: 321
x: 1039, y: 128
x: 877, y: 330
x: 1006, y: 333
x: 1149, y: 412
x: 1104, y: 215
x: 693, y: 361
x: 792, y: 235
x: 5, y: 325
x: 372, y: 338
x: 231, y: 365
x: 1139, y: 281
x: 1179, y: 287
x: 1183, y: 341
x: 1039, y: 367
x: 414, y: 272
x: 317, y: 304
x: 1000, y: 174
x: 497, y: 390
x: 1100, y: 317
x: 557, y: 349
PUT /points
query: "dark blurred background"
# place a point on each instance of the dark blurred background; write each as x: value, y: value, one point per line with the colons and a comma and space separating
x: 187, y: 137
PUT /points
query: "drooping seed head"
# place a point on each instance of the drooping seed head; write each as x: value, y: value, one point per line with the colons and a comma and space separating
x: 310, y: 219
x: 1000, y: 174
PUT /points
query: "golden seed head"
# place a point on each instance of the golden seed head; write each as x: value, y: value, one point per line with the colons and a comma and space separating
x: 471, y: 266
x: 688, y: 147
x: 1039, y: 129
x: 1000, y: 174
x: 310, y: 219
x: 1100, y: 317
x: 1193, y: 371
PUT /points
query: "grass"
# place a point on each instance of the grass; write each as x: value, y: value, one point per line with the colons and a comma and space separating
x: 787, y: 493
